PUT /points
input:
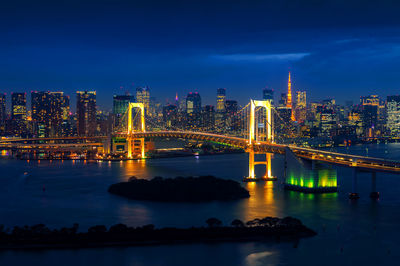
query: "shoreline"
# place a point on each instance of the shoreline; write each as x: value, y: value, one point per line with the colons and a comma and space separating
x: 268, y: 229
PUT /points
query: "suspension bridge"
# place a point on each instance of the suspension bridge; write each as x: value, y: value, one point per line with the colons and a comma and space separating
x: 251, y: 129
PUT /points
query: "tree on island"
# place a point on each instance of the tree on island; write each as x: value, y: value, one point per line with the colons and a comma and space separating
x: 213, y: 222
x: 237, y: 223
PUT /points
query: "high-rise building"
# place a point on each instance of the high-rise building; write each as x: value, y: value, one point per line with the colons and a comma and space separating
x: 231, y: 107
x: 208, y: 117
x: 301, y: 105
x: 170, y: 116
x: 301, y: 99
x: 268, y: 94
x: 120, y: 105
x: 193, y: 103
x: 370, y: 113
x: 86, y: 112
x: 18, y: 113
x: 3, y: 114
x: 47, y: 113
x: 221, y: 97
x: 220, y: 112
x: 283, y: 100
x: 143, y: 96
x: 393, y: 115
x: 193, y: 110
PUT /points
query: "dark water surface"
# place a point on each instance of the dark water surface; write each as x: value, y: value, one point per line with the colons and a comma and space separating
x: 350, y: 233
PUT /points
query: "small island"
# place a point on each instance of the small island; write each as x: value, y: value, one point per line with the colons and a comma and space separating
x: 41, y: 237
x: 180, y: 189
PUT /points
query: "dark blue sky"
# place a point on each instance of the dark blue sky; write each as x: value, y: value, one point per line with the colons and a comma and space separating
x: 339, y: 49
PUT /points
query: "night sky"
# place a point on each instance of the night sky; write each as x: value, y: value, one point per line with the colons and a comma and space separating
x: 339, y: 49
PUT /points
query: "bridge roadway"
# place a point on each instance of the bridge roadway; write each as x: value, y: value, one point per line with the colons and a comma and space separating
x: 347, y: 160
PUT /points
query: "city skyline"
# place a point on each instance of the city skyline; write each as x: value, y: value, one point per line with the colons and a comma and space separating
x: 69, y: 47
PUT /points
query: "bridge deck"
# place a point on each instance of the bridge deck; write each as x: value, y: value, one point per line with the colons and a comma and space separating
x: 341, y: 159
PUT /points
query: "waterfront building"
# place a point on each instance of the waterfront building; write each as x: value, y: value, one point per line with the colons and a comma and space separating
x: 393, y: 115
x: 86, y: 113
x: 3, y: 114
x: 47, y: 113
x: 18, y: 113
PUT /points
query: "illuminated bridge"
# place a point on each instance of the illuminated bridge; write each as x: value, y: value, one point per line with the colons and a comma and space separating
x: 255, y: 136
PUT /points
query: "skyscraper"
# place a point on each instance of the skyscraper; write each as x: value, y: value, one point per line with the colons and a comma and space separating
x: 301, y: 99
x: 220, y: 112
x: 370, y: 112
x: 47, y: 113
x: 120, y: 105
x: 268, y: 94
x: 86, y: 112
x: 221, y: 96
x: 301, y: 105
x: 231, y: 108
x: 208, y: 117
x: 18, y: 113
x: 393, y: 115
x: 3, y: 113
x: 193, y: 103
x: 143, y: 96
x: 170, y: 115
x: 193, y: 110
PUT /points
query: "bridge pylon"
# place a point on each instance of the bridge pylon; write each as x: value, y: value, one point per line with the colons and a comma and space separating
x: 266, y: 108
x: 131, y: 141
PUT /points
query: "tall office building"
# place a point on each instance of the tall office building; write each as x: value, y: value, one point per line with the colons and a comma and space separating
x: 220, y: 111
x: 370, y: 113
x: 283, y: 100
x: 86, y: 112
x: 231, y: 107
x: 193, y: 103
x: 208, y: 117
x: 301, y: 99
x: 18, y: 113
x: 301, y: 105
x: 268, y: 94
x: 47, y: 113
x: 193, y: 110
x: 221, y: 97
x: 120, y: 106
x: 393, y: 115
x: 143, y: 96
x: 170, y: 116
x: 3, y: 114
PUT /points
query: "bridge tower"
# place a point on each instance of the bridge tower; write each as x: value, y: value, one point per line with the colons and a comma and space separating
x: 130, y: 139
x: 266, y: 110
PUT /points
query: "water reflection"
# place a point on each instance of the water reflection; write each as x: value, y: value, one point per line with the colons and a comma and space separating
x: 261, y: 202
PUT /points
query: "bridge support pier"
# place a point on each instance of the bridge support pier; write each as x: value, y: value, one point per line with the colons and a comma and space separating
x: 374, y: 194
x: 354, y: 195
x: 252, y: 163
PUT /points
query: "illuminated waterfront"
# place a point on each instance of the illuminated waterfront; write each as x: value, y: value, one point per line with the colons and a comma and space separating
x: 76, y: 191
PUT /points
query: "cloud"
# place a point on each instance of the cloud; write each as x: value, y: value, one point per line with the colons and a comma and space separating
x: 261, y: 57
